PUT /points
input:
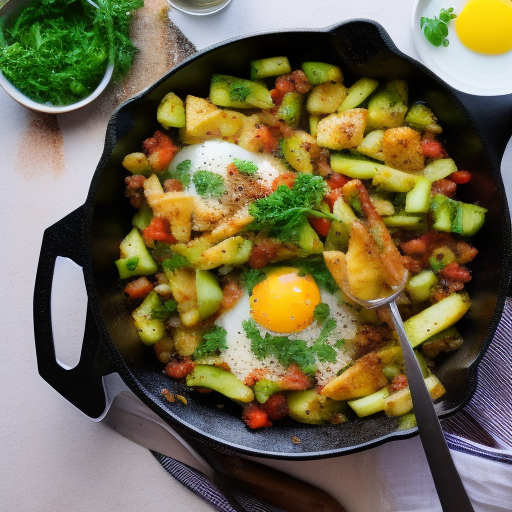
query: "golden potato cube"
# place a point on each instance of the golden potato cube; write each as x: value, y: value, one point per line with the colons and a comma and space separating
x: 230, y: 226
x: 186, y: 340
x: 171, y: 111
x: 183, y: 286
x: 232, y: 251
x: 362, y: 379
x: 206, y: 216
x: 248, y: 138
x: 401, y: 148
x: 343, y: 130
x: 137, y: 163
x: 326, y: 98
x: 152, y: 188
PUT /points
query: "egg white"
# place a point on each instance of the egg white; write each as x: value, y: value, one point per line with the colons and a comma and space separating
x: 215, y: 156
x: 463, y: 69
x: 242, y: 361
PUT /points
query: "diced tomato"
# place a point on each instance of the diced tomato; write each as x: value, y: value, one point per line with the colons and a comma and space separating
x: 331, y: 197
x: 231, y: 293
x: 446, y: 187
x: 263, y: 253
x: 432, y: 148
x: 172, y: 185
x: 255, y: 417
x: 267, y: 142
x: 337, y: 180
x: 320, y: 225
x: 399, y: 382
x: 287, y: 179
x: 276, y: 407
x: 460, y: 177
x: 160, y: 150
x: 138, y: 288
x: 179, y: 369
x: 294, y: 379
x: 455, y: 272
x: 159, y: 229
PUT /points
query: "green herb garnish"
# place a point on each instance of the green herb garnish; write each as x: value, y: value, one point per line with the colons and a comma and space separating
x: 57, y: 51
x: 435, y: 29
x: 245, y: 166
x: 181, y: 173
x: 321, y: 312
x: 251, y: 277
x: 132, y: 263
x: 214, y: 342
x: 175, y: 262
x: 285, y: 211
x: 208, y: 184
x: 163, y: 312
x: 238, y: 92
x: 315, y: 266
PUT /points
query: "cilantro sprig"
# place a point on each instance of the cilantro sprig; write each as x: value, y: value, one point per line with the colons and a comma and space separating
x: 245, y: 166
x: 435, y: 29
x: 285, y: 211
x: 180, y: 173
x: 208, y: 184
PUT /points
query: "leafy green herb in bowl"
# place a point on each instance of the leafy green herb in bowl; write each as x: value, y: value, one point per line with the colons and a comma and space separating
x: 58, y: 55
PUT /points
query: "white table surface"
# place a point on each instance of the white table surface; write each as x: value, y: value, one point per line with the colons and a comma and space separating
x: 52, y: 457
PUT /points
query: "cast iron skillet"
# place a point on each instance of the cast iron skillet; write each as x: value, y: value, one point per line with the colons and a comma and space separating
x: 476, y: 130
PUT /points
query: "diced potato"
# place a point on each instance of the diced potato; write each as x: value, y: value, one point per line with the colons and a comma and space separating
x: 183, y: 286
x: 382, y: 206
x: 400, y: 402
x: 171, y: 111
x: 296, y: 149
x: 205, y: 121
x: 186, y: 340
x: 193, y: 249
x: 401, y: 148
x: 343, y: 130
x: 137, y: 163
x: 178, y: 208
x: 206, y: 216
x: 248, y: 138
x: 229, y: 227
x: 326, y: 98
x: 152, y: 188
x: 372, y: 145
x: 363, y: 378
x: 310, y: 407
x: 232, y: 251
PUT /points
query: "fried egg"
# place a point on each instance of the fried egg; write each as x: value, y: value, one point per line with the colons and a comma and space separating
x: 283, y: 304
x: 478, y: 59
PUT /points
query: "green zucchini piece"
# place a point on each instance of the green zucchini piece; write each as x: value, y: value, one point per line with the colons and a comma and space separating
x: 342, y: 211
x: 320, y: 72
x: 412, y: 222
x: 290, y: 109
x: 387, y: 107
x: 309, y: 240
x: 443, y: 212
x: 137, y: 163
x: 337, y: 238
x: 325, y: 98
x: 271, y: 66
x: 358, y: 93
x: 143, y: 217
x: 135, y: 258
x: 313, y: 125
x: 436, y: 318
x: 420, y: 286
x: 418, y: 199
x: 469, y: 218
x: 222, y: 381
x: 420, y: 117
x: 355, y: 167
x: 439, y: 169
x: 393, y: 180
x: 369, y: 404
x: 440, y: 258
x: 209, y: 293
x: 149, y: 329
x: 310, y: 407
x: 296, y: 154
x: 229, y: 91
x: 372, y: 145
x: 264, y: 389
x: 171, y: 111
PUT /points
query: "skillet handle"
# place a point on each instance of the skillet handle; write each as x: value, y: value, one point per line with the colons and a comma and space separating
x: 81, y: 385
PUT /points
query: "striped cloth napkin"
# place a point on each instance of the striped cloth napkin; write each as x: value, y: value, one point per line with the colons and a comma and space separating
x: 483, y: 429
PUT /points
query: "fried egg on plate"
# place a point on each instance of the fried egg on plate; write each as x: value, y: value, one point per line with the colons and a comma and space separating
x: 283, y: 304
x: 478, y: 58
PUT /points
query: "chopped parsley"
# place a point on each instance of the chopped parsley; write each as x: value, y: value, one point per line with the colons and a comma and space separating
x: 56, y: 51
x: 322, y: 312
x: 214, y: 342
x: 285, y: 211
x: 245, y: 166
x: 175, y: 262
x: 239, y: 91
x: 316, y: 267
x: 162, y: 312
x: 288, y: 351
x: 251, y: 277
x: 181, y: 173
x: 208, y: 184
x: 131, y: 264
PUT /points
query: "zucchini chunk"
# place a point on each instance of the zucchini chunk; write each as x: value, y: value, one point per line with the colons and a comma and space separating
x: 149, y: 329
x: 229, y: 91
x: 135, y: 258
x: 272, y: 66
x: 310, y: 407
x: 320, y: 72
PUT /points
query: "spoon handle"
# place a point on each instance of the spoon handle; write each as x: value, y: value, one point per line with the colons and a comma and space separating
x: 449, y: 486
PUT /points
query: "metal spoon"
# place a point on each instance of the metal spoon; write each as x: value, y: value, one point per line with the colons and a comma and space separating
x: 449, y: 486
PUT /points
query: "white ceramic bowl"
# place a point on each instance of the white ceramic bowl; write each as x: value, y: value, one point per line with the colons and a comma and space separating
x: 5, y: 10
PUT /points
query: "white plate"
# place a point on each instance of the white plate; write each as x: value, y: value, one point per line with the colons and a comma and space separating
x: 463, y: 69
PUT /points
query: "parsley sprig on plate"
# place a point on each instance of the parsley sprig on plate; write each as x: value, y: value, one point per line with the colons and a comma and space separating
x: 435, y: 29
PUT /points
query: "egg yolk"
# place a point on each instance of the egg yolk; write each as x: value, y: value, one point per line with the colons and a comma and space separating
x: 285, y: 301
x: 485, y: 26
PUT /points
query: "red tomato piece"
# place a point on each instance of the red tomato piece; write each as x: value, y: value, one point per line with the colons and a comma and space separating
x: 460, y: 177
x: 432, y: 148
x: 276, y: 407
x: 331, y: 197
x: 159, y: 229
x: 138, y: 288
x: 287, y: 179
x: 160, y: 150
x: 294, y: 379
x: 455, y: 272
x: 179, y: 369
x: 255, y: 417
x: 320, y: 225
